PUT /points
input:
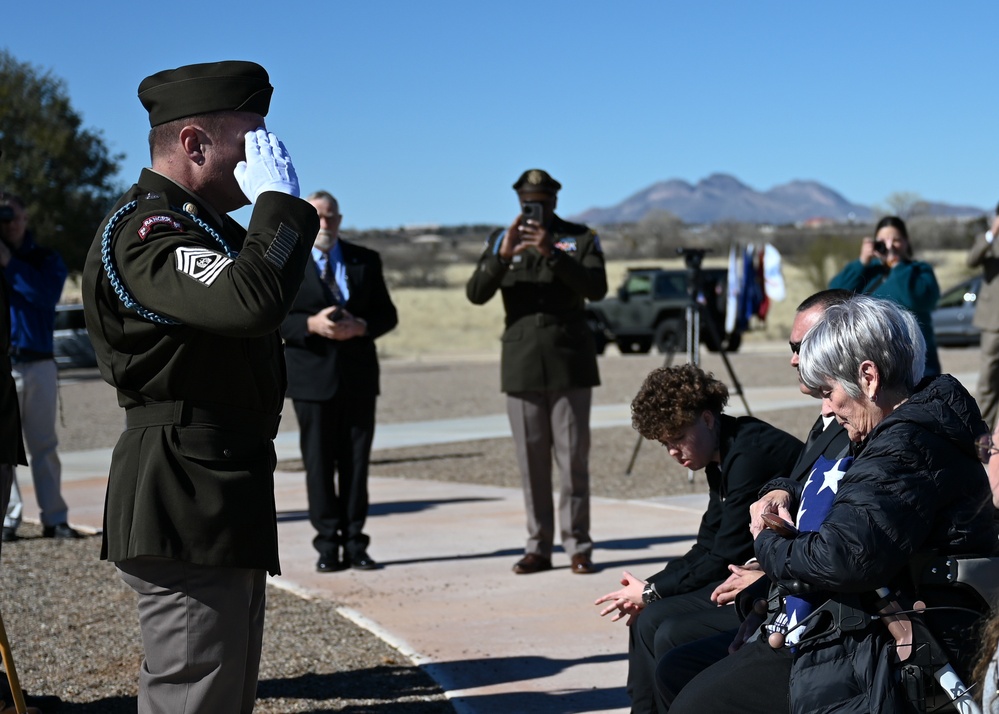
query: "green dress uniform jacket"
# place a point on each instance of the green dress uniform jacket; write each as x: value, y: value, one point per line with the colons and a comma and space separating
x: 985, y: 255
x: 199, y: 368
x: 547, y: 345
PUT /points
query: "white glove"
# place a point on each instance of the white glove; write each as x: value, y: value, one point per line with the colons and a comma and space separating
x: 267, y: 167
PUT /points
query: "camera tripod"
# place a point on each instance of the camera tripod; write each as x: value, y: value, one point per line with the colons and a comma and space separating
x: 694, y: 314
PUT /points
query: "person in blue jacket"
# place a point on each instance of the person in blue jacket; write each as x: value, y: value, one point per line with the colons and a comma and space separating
x: 36, y: 276
x: 886, y: 269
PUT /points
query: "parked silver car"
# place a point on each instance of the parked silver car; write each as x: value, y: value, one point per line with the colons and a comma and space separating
x: 954, y: 313
x: 71, y: 343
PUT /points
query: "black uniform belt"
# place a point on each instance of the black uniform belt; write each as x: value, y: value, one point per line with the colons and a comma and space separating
x: 182, y: 413
x: 20, y: 355
x: 544, y: 319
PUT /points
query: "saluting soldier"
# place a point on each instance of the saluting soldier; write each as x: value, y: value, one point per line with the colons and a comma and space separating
x: 546, y: 268
x: 183, y: 306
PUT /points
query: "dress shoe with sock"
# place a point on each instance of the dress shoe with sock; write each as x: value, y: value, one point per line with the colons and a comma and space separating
x: 532, y: 563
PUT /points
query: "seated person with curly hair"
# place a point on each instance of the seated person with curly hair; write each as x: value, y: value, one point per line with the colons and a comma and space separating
x: 681, y: 408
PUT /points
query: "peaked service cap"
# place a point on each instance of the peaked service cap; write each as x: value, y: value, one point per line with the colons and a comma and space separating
x: 233, y: 85
x: 536, y: 180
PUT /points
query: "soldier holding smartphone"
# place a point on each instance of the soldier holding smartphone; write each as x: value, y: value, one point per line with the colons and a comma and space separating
x: 546, y: 268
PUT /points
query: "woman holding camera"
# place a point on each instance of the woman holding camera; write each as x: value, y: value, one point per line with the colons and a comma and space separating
x: 886, y: 269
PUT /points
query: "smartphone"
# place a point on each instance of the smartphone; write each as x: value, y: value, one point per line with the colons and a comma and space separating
x: 779, y: 525
x: 533, y: 211
x: 336, y: 315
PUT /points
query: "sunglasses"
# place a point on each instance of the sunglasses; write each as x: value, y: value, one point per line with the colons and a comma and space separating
x: 795, y: 347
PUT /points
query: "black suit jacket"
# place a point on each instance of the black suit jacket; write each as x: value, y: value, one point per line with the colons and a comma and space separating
x: 832, y: 442
x: 753, y: 453
x: 319, y: 368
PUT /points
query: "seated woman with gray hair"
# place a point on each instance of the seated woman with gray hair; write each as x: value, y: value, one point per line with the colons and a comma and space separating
x: 912, y: 487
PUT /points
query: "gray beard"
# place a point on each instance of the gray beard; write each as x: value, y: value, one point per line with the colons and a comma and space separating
x: 325, y: 240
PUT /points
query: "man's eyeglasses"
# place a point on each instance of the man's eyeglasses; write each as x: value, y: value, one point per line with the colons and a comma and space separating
x: 795, y: 347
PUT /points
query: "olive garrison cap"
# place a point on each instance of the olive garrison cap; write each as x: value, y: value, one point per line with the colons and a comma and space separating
x: 536, y: 180
x: 232, y: 85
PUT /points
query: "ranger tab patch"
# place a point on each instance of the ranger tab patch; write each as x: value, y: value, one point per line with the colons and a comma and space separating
x: 202, y: 264
x: 154, y: 222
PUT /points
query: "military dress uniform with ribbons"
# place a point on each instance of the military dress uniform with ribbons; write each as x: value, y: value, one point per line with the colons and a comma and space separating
x: 183, y: 308
x: 547, y: 344
x: 548, y: 351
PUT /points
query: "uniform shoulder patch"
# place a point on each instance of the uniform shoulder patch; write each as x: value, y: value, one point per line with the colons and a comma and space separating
x: 566, y: 244
x: 202, y: 264
x: 151, y: 223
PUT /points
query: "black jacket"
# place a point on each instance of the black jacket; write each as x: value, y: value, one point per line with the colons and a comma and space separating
x: 11, y: 445
x: 916, y: 485
x: 319, y: 368
x: 752, y: 453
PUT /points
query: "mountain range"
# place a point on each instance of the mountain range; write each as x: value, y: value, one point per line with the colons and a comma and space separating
x: 721, y: 197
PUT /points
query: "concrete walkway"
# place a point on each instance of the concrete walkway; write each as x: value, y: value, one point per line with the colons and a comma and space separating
x: 445, y: 596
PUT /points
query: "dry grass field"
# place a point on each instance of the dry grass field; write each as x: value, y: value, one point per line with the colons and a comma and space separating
x: 440, y: 322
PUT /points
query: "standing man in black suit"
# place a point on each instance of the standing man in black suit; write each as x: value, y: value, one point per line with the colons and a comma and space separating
x: 342, y: 307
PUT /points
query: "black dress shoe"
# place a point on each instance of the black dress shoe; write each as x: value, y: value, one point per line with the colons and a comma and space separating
x: 60, y: 530
x: 328, y: 564
x: 9, y: 535
x: 361, y: 561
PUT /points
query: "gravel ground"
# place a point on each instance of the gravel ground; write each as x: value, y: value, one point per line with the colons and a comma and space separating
x: 72, y: 623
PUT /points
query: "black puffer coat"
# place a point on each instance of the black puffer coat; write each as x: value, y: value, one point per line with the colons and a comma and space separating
x: 916, y: 486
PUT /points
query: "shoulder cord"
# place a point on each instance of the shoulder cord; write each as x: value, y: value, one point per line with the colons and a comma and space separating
x: 116, y: 283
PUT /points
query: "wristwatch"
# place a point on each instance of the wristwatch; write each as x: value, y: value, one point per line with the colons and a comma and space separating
x: 649, y: 594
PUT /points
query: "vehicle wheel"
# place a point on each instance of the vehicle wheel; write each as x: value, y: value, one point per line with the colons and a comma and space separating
x: 626, y: 345
x: 731, y: 343
x: 631, y: 345
x: 669, y: 337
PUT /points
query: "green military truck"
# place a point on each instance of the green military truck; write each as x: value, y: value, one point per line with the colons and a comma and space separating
x: 650, y: 310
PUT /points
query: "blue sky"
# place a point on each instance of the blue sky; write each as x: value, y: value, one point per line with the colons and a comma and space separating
x: 426, y: 112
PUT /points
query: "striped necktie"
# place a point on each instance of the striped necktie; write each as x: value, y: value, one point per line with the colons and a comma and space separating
x: 328, y: 276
